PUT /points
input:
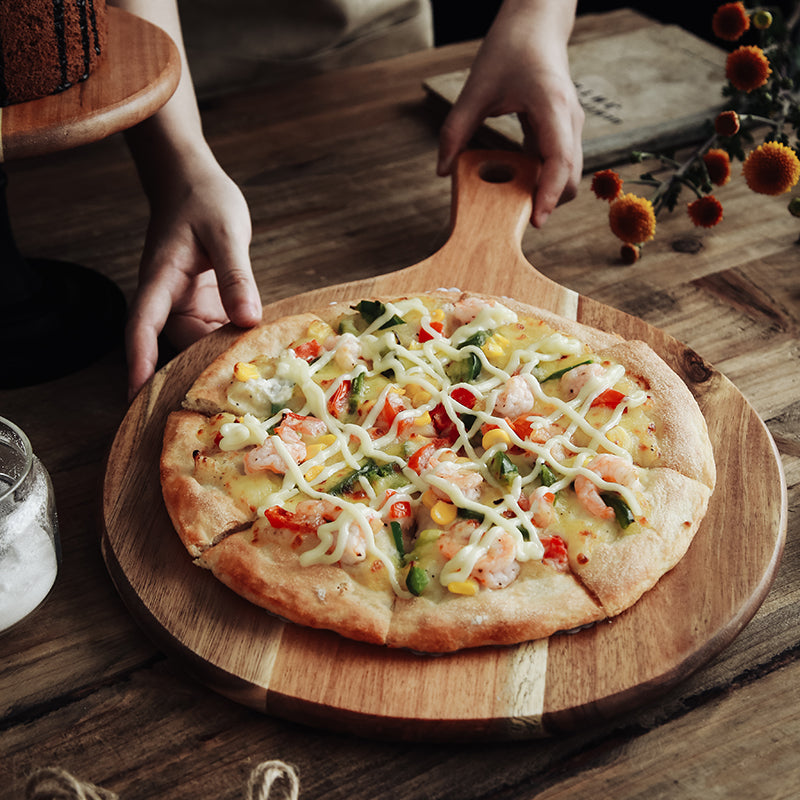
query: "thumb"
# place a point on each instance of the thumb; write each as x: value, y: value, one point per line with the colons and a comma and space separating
x: 457, y: 129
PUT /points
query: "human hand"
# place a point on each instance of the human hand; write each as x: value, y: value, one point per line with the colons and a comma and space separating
x: 522, y: 68
x: 195, y: 273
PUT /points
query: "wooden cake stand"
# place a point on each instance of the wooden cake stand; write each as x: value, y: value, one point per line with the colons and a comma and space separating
x: 71, y: 313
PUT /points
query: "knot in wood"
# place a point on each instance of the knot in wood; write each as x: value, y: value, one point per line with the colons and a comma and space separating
x: 696, y: 368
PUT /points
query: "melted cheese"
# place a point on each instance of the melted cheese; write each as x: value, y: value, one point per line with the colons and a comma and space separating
x: 422, y: 365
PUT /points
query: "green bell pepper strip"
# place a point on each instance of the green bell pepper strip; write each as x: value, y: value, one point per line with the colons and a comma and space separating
x: 559, y: 372
x: 621, y: 510
x: 416, y: 580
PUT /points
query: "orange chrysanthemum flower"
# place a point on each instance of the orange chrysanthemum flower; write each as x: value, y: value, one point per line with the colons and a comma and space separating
x: 632, y: 219
x: 772, y: 168
x: 727, y: 123
x: 718, y: 164
x: 705, y: 212
x: 747, y: 68
x: 629, y: 253
x: 607, y: 185
x: 730, y: 21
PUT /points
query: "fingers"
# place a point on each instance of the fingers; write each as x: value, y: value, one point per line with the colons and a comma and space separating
x: 557, y: 143
x: 238, y: 290
x: 456, y: 131
x: 146, y: 320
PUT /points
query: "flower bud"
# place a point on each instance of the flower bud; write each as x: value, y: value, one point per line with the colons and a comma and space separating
x: 762, y: 19
x: 727, y: 123
x: 629, y: 253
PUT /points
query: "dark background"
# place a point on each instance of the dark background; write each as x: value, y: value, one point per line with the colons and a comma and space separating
x: 460, y: 20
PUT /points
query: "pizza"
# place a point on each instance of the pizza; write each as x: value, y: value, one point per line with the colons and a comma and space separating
x: 437, y: 472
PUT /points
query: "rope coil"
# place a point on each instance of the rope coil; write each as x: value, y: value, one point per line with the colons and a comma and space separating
x: 53, y: 783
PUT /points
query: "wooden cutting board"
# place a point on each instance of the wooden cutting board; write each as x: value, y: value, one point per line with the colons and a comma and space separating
x: 557, y: 684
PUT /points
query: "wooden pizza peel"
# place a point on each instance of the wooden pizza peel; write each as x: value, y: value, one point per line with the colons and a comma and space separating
x: 537, y: 688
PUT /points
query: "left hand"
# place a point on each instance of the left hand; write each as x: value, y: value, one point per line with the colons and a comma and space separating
x: 195, y: 273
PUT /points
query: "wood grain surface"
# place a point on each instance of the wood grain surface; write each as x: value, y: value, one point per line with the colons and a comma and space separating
x: 567, y: 682
x: 137, y: 75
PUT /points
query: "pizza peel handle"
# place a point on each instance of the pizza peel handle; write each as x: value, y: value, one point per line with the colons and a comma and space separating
x: 490, y: 212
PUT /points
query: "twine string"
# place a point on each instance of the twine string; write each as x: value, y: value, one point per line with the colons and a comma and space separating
x: 269, y: 773
x: 54, y: 783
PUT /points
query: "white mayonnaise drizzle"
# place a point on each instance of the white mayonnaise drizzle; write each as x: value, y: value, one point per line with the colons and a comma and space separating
x: 423, y: 365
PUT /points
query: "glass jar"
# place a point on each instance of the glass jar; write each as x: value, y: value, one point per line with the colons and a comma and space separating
x: 30, y: 550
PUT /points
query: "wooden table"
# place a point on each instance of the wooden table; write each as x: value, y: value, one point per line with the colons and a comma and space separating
x: 339, y: 174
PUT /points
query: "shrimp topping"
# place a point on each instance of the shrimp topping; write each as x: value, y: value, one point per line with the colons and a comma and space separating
x: 466, y: 310
x: 541, y: 501
x: 347, y: 350
x: 610, y: 468
x: 267, y: 456
x: 574, y: 380
x: 497, y: 566
x: 515, y: 399
x: 444, y: 465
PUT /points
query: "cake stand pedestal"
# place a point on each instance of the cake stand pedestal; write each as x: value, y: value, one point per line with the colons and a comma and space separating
x: 57, y: 317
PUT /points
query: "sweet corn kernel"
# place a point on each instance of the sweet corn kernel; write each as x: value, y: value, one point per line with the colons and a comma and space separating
x: 495, y: 345
x: 319, y: 330
x: 429, y: 498
x: 417, y: 394
x: 443, y: 513
x: 468, y: 587
x: 314, y: 449
x: 243, y: 371
x: 423, y: 419
x: 493, y: 437
x: 437, y: 315
x: 327, y: 440
x: 492, y: 350
x: 313, y: 472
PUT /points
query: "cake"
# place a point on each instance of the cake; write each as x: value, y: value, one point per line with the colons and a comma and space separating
x: 47, y: 46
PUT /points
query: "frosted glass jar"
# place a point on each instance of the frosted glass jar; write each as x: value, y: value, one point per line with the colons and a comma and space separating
x: 29, y: 545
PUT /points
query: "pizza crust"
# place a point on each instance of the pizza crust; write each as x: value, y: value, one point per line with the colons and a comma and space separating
x: 356, y: 603
x: 201, y: 514
x: 539, y: 603
x: 619, y: 572
x: 209, y: 393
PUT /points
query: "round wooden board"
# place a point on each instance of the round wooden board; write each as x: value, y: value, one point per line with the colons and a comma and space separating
x: 138, y: 74
x: 558, y: 684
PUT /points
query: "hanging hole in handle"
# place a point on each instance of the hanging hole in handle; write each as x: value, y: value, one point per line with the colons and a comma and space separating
x: 496, y: 172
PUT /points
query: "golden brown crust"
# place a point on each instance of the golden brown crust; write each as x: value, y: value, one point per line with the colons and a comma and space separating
x: 200, y: 513
x: 618, y: 573
x: 682, y: 435
x: 539, y: 603
x: 354, y: 602
x: 208, y: 394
